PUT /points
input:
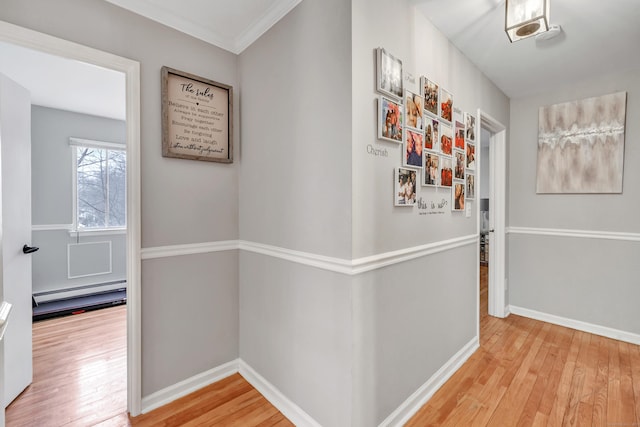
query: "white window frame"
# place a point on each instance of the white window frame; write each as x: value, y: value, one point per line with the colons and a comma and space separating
x: 80, y: 142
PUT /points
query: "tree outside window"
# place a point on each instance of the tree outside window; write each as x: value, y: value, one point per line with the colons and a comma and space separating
x: 101, y: 188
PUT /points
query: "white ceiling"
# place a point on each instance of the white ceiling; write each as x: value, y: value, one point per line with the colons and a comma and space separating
x: 65, y: 84
x: 230, y: 24
x: 599, y: 37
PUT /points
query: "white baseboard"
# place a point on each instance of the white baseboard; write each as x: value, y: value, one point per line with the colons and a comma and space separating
x: 412, y: 405
x: 604, y: 331
x: 289, y: 409
x: 178, y: 390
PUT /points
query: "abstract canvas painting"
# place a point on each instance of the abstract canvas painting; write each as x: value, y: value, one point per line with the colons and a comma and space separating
x: 581, y: 145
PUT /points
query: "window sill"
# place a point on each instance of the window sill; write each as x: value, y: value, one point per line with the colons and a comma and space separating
x: 98, y: 232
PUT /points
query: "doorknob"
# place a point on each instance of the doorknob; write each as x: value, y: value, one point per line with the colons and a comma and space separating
x: 29, y: 249
x: 490, y: 231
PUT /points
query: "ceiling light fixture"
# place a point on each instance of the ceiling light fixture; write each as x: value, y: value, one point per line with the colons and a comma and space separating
x: 526, y: 18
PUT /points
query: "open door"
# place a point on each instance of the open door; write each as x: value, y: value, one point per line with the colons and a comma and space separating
x: 498, y: 292
x: 15, y: 153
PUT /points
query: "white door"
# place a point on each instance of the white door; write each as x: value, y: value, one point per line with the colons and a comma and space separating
x: 15, y: 151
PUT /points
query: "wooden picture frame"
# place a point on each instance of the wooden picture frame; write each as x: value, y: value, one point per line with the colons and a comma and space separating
x: 197, y: 117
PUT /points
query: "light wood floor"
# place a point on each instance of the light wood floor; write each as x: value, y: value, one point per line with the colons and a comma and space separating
x: 79, y: 379
x: 526, y: 373
x: 530, y: 373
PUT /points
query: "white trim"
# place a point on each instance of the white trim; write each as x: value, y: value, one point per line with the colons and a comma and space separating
x: 587, y: 234
x: 338, y: 265
x: 183, y: 388
x: 187, y: 26
x: 579, y: 325
x: 52, y: 45
x: 289, y: 409
x: 359, y: 265
x: 89, y: 232
x: 497, y: 219
x: 188, y: 249
x: 52, y: 227
x: 253, y: 32
x: 412, y: 405
x: 105, y: 145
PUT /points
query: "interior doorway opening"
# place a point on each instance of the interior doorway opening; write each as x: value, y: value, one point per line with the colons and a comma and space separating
x: 19, y: 36
x: 492, y: 216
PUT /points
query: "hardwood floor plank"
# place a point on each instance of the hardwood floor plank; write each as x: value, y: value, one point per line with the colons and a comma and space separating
x: 528, y: 373
x: 79, y: 365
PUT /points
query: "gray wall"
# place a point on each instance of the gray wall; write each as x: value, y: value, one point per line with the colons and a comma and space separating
x: 295, y: 193
x: 52, y: 195
x: 182, y: 201
x: 296, y: 132
x: 392, y: 316
x: 412, y: 317
x: 589, y: 280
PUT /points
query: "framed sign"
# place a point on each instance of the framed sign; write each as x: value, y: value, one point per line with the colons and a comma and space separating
x: 196, y: 117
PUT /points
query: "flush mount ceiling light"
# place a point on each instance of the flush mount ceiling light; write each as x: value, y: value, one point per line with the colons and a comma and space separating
x: 526, y: 18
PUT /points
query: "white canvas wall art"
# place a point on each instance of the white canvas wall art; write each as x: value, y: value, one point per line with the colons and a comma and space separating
x: 581, y: 145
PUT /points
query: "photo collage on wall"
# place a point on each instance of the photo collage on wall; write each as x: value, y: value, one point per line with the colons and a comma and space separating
x: 438, y: 139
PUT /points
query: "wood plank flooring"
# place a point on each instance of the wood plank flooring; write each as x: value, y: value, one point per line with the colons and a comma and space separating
x: 79, y: 371
x: 530, y: 373
x: 79, y: 379
x: 526, y: 373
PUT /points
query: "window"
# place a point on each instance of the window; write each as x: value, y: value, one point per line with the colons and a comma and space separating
x: 100, y: 173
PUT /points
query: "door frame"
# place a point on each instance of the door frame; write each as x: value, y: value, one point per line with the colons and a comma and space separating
x: 497, y: 214
x: 17, y: 35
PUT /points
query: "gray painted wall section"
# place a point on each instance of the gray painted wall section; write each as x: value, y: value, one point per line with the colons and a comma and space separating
x: 295, y: 193
x: 199, y: 328
x: 588, y: 280
x: 183, y: 201
x: 52, y: 195
x: 296, y: 133
x: 295, y: 331
x: 409, y: 320
x: 378, y: 226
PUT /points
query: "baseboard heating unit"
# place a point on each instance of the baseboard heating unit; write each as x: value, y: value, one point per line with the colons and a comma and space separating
x: 78, y: 304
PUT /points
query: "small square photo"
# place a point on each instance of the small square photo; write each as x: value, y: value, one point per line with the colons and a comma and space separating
x: 430, y: 95
x: 405, y: 187
x: 389, y: 120
x: 430, y: 171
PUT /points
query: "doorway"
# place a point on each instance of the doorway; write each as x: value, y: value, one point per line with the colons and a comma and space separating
x: 493, y: 235
x: 31, y: 39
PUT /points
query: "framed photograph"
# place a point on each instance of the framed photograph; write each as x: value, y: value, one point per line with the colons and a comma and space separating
x: 458, y: 170
x: 430, y: 96
x: 196, y: 117
x: 471, y: 156
x: 458, y: 126
x: 405, y: 187
x: 446, y: 105
x: 431, y: 139
x: 389, y: 74
x: 457, y: 196
x: 413, y: 110
x: 413, y: 144
x: 471, y: 186
x: 445, y: 138
x: 431, y: 169
x: 446, y: 171
x: 470, y: 127
x: 389, y: 120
